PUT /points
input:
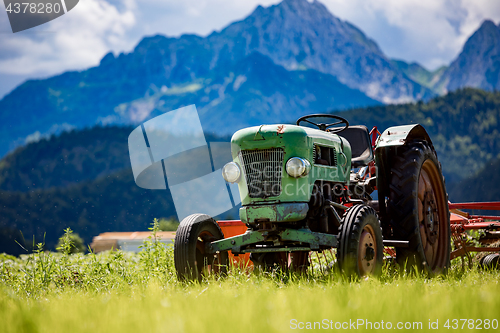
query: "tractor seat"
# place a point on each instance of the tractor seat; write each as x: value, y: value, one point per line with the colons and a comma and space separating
x: 359, y: 139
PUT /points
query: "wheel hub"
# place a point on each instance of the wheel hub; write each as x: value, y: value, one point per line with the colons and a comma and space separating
x: 431, y: 220
x: 370, y: 253
x: 367, y: 251
x: 432, y: 212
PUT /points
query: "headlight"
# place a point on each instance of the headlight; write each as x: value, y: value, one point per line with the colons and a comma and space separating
x: 231, y: 172
x: 297, y: 167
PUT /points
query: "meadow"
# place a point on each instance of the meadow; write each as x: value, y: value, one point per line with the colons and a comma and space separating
x: 118, y: 291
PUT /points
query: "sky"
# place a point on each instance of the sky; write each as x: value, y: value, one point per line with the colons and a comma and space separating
x: 430, y: 32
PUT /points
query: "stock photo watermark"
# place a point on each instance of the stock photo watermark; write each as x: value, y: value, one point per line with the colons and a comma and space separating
x: 365, y: 324
x: 24, y: 14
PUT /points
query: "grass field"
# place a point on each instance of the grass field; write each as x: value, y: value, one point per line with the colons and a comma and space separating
x: 125, y: 292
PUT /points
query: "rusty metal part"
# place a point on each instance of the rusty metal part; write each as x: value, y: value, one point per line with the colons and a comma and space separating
x: 207, y: 263
x: 333, y: 217
x: 433, y: 220
x: 475, y: 205
x: 277, y: 249
x: 461, y: 249
x: 298, y: 261
x: 462, y: 221
x: 390, y: 251
x: 246, y: 243
x: 282, y: 212
x: 367, y: 249
x: 337, y: 205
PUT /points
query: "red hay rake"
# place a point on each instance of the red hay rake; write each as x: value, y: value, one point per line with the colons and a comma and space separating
x: 461, y: 222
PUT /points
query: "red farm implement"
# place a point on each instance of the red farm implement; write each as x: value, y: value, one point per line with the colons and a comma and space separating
x: 462, y: 222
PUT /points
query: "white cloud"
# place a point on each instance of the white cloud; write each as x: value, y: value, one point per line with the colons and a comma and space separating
x: 75, y: 40
x: 431, y: 32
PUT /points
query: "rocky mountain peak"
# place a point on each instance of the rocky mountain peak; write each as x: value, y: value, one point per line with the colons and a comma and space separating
x: 302, y: 5
x: 488, y: 26
x: 298, y: 34
x: 478, y: 65
x: 487, y: 36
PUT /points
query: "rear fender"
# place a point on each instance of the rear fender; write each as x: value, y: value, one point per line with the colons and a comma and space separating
x: 387, y: 145
x: 400, y: 135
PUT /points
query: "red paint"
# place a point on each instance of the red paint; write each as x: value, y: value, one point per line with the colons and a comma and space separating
x: 475, y: 205
x: 234, y: 228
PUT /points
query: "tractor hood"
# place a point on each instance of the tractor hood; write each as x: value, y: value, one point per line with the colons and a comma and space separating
x: 279, y: 135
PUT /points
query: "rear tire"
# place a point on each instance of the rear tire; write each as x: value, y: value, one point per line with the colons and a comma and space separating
x: 418, y: 209
x: 361, y: 250
x: 191, y: 261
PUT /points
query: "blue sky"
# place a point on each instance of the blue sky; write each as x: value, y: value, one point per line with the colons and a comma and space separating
x: 430, y: 32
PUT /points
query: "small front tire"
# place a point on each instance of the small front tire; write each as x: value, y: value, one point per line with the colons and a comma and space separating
x: 190, y: 259
x: 360, y: 250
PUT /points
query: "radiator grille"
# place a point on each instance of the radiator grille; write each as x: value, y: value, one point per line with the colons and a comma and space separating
x: 263, y: 171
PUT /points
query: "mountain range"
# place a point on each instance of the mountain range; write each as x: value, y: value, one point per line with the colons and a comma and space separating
x: 279, y: 62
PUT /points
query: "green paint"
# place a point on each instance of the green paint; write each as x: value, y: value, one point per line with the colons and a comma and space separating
x: 296, y: 141
x: 240, y: 243
x: 314, y: 239
x: 282, y: 212
x: 235, y: 243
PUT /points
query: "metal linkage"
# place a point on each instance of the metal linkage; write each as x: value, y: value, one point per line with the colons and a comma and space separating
x: 245, y: 243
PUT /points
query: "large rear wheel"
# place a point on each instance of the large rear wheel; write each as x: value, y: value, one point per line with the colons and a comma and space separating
x: 190, y: 258
x: 418, y: 209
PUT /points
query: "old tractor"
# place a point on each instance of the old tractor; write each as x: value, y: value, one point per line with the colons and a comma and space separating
x: 323, y: 184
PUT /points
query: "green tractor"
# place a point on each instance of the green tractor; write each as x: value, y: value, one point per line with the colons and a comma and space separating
x: 324, y: 184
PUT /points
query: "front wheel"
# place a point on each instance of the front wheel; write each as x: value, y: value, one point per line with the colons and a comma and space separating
x: 360, y: 250
x: 190, y: 258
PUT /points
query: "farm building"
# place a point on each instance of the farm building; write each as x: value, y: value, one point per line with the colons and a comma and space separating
x: 127, y: 241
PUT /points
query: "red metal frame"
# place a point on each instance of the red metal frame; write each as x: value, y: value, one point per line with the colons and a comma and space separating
x: 463, y: 221
x: 476, y: 205
x: 374, y: 134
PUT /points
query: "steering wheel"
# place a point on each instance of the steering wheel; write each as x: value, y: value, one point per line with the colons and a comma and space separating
x: 323, y: 126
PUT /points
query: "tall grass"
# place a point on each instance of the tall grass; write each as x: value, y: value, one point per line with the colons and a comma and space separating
x: 127, y: 292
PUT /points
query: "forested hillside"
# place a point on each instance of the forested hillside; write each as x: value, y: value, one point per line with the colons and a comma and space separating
x: 82, y: 179
x: 484, y: 186
x: 109, y: 203
x: 60, y: 161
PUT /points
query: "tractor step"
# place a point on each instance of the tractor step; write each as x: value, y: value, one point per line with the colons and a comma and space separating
x: 396, y: 243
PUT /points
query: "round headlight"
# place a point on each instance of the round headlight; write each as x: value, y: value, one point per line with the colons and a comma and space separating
x: 231, y: 172
x: 297, y: 167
